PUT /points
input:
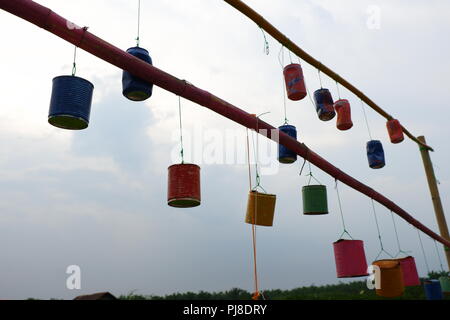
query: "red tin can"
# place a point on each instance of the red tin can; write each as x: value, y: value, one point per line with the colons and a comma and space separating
x: 395, y: 131
x: 344, y: 115
x: 183, y: 190
x: 350, y: 258
x: 295, y: 83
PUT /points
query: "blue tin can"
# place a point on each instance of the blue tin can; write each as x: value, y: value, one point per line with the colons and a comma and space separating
x: 324, y: 104
x: 134, y: 88
x: 433, y: 290
x: 284, y: 154
x: 70, y: 104
x: 375, y: 154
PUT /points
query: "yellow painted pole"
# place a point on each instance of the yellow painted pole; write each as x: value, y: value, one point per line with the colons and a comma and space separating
x: 286, y: 42
x: 437, y: 204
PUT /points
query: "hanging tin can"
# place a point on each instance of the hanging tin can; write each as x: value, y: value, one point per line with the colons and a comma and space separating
x: 260, y: 208
x: 375, y: 154
x: 183, y: 186
x: 134, y: 88
x: 284, y: 154
x: 344, y: 116
x: 295, y: 83
x: 445, y: 284
x: 350, y: 258
x: 315, y: 200
x: 70, y: 104
x: 395, y: 131
x: 324, y: 104
x: 433, y: 290
x: 409, y: 270
x: 391, y: 278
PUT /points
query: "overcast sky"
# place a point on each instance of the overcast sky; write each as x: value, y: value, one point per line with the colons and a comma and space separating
x: 97, y: 198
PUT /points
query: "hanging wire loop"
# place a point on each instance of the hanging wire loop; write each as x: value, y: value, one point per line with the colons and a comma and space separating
x: 266, y: 43
x: 340, y: 210
x: 256, y: 150
x: 74, y: 66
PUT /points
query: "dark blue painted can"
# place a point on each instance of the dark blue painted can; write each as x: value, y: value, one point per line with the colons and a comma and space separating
x: 134, y: 88
x: 324, y: 104
x: 433, y: 290
x: 375, y: 154
x: 284, y: 154
x: 70, y: 104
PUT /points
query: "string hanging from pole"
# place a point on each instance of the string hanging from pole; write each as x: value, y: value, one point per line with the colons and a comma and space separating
x: 248, y: 162
x: 338, y: 91
x: 74, y: 66
x: 257, y: 294
x: 255, y: 155
x: 439, y: 256
x: 379, y: 233
x: 256, y: 150
x: 181, y: 131
x: 397, y: 237
x: 281, y: 61
x: 266, y: 43
x: 309, y: 96
x: 138, y: 24
x: 340, y: 210
x: 320, y: 79
x: 423, y: 252
x: 365, y: 118
x: 255, y: 268
x: 303, y: 166
x: 311, y: 176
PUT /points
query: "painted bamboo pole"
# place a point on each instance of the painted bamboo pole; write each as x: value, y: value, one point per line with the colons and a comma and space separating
x: 435, y: 197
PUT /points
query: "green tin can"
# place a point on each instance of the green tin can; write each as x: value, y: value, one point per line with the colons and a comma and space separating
x: 445, y: 284
x: 315, y: 200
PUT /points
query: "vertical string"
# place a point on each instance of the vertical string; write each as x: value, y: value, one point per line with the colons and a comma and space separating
x: 309, y: 96
x: 379, y: 233
x: 439, y: 256
x: 310, y: 172
x: 255, y: 156
x: 256, y: 294
x: 181, y: 130
x: 320, y: 79
x: 365, y: 117
x: 340, y: 210
x: 248, y: 162
x: 266, y: 44
x: 255, y: 268
x: 138, y: 24
x: 423, y: 252
x: 339, y: 93
x: 74, y: 66
x: 256, y: 149
x: 396, y: 235
x: 281, y: 61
